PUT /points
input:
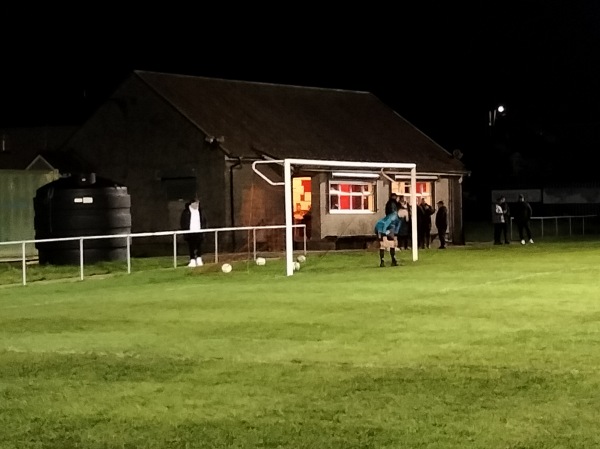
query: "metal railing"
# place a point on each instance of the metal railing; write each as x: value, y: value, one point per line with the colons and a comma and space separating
x: 556, y: 221
x: 130, y: 237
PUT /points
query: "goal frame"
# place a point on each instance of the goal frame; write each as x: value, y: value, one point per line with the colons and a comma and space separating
x: 287, y: 183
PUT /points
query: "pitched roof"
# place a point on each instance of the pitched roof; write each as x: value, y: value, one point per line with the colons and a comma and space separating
x: 283, y: 121
x: 20, y: 146
x: 66, y: 162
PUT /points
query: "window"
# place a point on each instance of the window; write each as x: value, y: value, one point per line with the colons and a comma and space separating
x: 351, y: 196
x: 301, y: 196
x: 423, y: 190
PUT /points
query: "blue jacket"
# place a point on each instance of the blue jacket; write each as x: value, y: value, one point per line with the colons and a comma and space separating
x: 390, y: 222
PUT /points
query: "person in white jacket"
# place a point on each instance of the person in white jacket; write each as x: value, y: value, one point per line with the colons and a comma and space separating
x: 192, y: 219
x: 498, y: 221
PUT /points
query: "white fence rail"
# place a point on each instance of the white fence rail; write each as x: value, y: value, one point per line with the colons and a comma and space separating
x: 555, y: 221
x: 130, y: 237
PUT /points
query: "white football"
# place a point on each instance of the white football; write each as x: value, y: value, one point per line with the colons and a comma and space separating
x: 301, y: 258
x: 296, y: 266
x: 226, y: 268
x: 261, y: 261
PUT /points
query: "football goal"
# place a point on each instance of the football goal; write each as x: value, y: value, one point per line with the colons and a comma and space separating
x: 383, y: 169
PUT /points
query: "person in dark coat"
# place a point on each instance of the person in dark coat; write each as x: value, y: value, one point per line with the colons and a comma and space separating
x: 192, y: 219
x: 392, y: 204
x: 441, y: 223
x: 424, y: 213
x: 522, y: 213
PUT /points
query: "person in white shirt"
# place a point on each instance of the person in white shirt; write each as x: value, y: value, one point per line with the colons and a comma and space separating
x: 498, y: 221
x: 192, y: 219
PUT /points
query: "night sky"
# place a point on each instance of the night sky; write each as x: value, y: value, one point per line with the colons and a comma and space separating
x: 442, y: 69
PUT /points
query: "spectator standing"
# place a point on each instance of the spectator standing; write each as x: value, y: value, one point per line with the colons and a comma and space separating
x: 307, y: 220
x: 192, y: 219
x: 441, y: 223
x: 404, y: 232
x: 424, y: 213
x: 392, y: 204
x: 522, y: 214
x: 403, y: 203
x: 498, y: 221
x: 506, y: 214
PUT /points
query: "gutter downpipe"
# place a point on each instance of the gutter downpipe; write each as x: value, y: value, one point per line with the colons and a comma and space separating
x: 232, y: 196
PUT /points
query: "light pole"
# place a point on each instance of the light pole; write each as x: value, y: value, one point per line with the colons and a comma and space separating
x: 500, y: 110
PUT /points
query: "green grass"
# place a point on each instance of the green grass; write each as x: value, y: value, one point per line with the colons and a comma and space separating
x: 477, y: 346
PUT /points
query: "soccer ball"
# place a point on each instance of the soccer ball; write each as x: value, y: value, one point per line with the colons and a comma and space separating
x: 261, y: 261
x: 226, y: 268
x: 296, y: 266
x: 301, y: 258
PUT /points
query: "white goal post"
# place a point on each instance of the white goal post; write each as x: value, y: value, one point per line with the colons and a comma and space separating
x: 287, y: 176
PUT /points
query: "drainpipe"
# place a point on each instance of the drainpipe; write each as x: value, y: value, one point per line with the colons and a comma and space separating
x: 238, y: 164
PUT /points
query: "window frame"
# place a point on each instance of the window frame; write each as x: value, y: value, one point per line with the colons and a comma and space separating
x: 370, y: 197
x: 402, y: 187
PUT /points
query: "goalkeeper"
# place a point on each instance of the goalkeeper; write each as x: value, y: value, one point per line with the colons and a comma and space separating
x: 386, y: 229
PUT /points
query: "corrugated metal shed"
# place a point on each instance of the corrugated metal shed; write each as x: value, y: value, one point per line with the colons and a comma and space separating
x: 17, y: 190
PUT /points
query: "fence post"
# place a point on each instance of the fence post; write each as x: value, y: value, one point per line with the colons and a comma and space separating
x: 216, y: 246
x: 305, y: 240
x: 24, y: 263
x: 174, y: 249
x: 128, y: 254
x: 81, y: 258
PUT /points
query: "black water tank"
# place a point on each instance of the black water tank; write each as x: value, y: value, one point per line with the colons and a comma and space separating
x: 81, y: 205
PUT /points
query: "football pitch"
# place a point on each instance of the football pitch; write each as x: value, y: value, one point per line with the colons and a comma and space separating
x: 481, y: 346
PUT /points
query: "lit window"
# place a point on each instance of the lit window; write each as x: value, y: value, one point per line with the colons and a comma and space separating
x: 423, y: 190
x: 351, y: 196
